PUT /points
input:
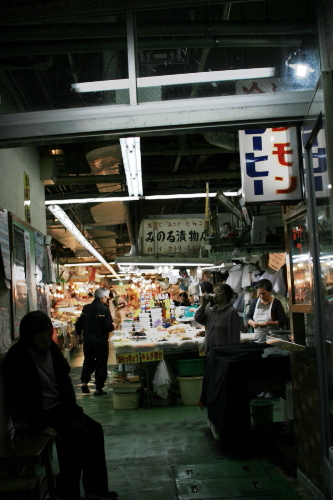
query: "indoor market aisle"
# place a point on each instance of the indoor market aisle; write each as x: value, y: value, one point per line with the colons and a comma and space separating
x: 168, y: 453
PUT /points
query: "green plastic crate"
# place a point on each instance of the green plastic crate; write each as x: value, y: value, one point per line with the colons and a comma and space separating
x: 190, y: 367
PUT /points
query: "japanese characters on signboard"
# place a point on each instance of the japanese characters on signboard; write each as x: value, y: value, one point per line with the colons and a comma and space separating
x: 172, y: 236
x: 270, y: 165
x: 319, y: 161
x: 136, y: 357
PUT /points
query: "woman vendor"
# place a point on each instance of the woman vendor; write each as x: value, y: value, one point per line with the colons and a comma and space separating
x: 266, y: 313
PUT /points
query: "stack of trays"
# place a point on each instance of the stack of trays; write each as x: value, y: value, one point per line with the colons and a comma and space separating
x: 156, y: 314
x: 144, y: 320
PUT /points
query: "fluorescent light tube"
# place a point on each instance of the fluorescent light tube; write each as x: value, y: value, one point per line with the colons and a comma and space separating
x: 135, y: 198
x: 130, y: 150
x: 65, y: 220
x: 91, y: 200
x: 175, y: 196
x: 177, y: 79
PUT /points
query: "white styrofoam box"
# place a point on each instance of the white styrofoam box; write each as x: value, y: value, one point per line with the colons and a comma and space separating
x: 144, y: 315
x: 126, y: 326
x: 156, y: 309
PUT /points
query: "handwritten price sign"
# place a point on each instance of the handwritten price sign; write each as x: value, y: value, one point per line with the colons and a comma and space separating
x: 136, y: 357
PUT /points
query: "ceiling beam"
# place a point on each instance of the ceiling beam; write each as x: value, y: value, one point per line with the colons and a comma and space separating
x: 105, y: 29
x: 187, y: 115
x: 115, y: 179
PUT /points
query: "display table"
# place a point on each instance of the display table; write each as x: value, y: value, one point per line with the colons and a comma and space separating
x: 165, y: 340
x: 231, y: 376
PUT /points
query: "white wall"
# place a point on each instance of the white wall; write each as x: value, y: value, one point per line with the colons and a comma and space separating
x: 13, y: 163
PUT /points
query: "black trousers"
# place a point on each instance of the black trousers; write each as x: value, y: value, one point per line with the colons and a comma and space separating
x: 81, y: 453
x: 96, y: 355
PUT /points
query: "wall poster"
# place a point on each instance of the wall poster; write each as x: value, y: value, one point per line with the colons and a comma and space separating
x: 4, y: 244
x: 5, y: 337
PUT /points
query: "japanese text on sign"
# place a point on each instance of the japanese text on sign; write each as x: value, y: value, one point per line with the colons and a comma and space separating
x: 170, y: 236
x: 319, y: 159
x: 136, y: 357
x: 269, y: 165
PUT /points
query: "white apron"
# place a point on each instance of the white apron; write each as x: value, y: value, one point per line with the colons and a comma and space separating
x: 261, y: 316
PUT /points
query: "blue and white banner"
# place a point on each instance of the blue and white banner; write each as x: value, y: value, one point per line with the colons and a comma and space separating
x: 319, y: 158
x: 270, y: 165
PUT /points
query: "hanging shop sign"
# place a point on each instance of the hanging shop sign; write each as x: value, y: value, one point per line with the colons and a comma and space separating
x: 270, y: 165
x: 27, y: 198
x: 171, y: 236
x: 319, y: 160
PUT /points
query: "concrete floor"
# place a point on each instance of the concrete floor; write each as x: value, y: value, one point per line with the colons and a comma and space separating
x: 169, y: 453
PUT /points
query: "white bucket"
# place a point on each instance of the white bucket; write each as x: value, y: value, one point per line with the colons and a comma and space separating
x: 125, y: 401
x: 190, y: 389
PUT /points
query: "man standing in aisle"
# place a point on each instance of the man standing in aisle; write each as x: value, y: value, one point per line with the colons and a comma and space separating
x: 96, y: 323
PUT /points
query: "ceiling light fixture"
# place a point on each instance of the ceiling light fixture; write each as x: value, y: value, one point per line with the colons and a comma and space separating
x: 65, y: 220
x: 177, y: 79
x: 66, y: 201
x: 91, y: 200
x: 130, y: 150
x: 300, y: 62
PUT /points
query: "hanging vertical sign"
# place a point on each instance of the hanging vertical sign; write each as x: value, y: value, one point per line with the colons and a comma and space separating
x: 319, y: 159
x: 270, y: 165
x: 27, y: 199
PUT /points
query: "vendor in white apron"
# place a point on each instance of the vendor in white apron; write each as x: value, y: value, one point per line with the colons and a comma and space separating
x: 265, y: 313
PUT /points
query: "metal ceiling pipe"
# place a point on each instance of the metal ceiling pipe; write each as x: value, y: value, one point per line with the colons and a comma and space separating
x: 93, y: 45
x: 42, y: 12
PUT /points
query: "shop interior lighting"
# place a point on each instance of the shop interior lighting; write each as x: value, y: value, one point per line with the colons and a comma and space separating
x: 325, y: 257
x: 131, y: 153
x: 66, y: 221
x: 300, y: 258
x: 86, y: 264
x: 102, y: 199
x: 177, y: 79
x: 190, y: 264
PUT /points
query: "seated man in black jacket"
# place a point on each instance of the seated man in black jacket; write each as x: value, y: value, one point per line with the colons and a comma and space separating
x: 41, y: 400
x: 96, y: 323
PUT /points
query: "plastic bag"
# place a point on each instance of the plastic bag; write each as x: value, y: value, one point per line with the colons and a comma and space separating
x: 162, y: 380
